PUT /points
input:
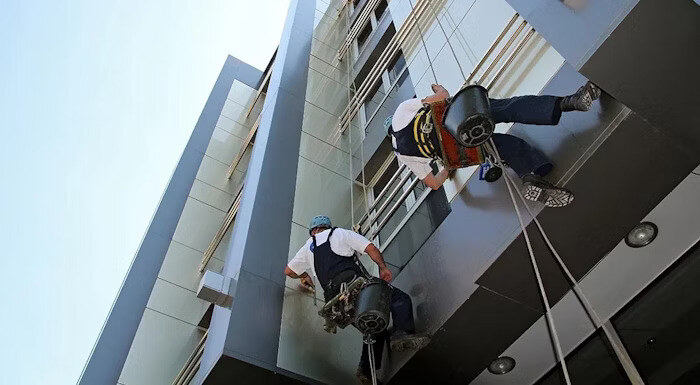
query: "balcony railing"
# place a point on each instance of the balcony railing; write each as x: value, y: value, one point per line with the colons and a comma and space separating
x: 186, y: 374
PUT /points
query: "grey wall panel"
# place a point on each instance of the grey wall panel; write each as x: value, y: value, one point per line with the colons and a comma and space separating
x: 488, y: 325
x: 620, y: 168
x: 574, y: 34
x: 253, y: 330
x: 112, y: 347
x: 650, y: 62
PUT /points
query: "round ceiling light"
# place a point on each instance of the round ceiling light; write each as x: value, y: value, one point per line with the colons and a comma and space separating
x: 502, y: 365
x: 642, y: 234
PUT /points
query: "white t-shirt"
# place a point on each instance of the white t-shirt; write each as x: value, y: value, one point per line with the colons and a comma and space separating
x: 403, y: 115
x: 343, y: 242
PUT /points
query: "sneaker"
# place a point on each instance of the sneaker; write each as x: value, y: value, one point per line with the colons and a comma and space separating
x: 401, y: 341
x: 582, y: 100
x: 537, y: 189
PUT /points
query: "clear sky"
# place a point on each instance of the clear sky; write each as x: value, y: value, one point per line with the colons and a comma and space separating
x: 97, y: 100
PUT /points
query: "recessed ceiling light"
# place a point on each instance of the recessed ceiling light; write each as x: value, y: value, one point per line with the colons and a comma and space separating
x: 641, y: 235
x: 502, y: 365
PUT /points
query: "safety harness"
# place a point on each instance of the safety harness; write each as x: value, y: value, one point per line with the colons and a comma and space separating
x: 418, y: 138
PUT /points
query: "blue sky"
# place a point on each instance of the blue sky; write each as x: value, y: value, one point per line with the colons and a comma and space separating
x: 97, y: 100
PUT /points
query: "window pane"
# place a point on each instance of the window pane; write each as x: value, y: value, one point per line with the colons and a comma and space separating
x: 396, y: 67
x: 372, y: 102
x: 379, y: 11
x: 362, y: 37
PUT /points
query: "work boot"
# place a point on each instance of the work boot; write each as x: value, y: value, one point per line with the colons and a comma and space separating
x: 537, y: 189
x: 401, y: 341
x: 582, y: 100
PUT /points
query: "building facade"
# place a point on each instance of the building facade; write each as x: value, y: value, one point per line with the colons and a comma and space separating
x: 305, y: 137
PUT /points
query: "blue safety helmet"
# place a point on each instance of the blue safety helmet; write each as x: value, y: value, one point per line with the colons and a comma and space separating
x: 387, y: 124
x: 320, y: 221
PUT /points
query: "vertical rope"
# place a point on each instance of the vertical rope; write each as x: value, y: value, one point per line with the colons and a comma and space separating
x: 448, y: 42
x: 548, y: 310
x: 425, y: 47
x: 347, y: 66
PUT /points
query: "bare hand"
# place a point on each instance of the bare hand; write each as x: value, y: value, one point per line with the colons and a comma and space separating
x: 385, y: 274
x: 307, y: 282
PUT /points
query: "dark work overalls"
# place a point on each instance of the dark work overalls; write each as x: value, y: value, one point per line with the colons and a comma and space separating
x: 517, y: 153
x: 332, y: 270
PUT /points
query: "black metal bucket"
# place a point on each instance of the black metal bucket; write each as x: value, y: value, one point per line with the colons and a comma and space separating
x: 468, y: 116
x: 372, y: 308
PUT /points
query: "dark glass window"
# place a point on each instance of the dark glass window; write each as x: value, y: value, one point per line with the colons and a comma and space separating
x: 363, y: 35
x: 379, y: 11
x: 373, y: 100
x: 396, y: 67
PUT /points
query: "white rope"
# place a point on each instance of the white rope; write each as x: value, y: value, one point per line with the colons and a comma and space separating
x: 347, y: 66
x: 533, y: 261
x: 448, y: 44
x: 425, y: 47
x: 592, y: 314
x: 372, y: 364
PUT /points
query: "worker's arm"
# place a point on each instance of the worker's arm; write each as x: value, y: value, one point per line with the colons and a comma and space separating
x: 373, y: 252
x: 291, y: 274
x: 303, y: 277
x: 436, y: 181
x: 440, y: 94
x: 300, y: 263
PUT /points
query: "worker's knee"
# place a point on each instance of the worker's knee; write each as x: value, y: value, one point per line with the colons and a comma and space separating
x: 399, y: 298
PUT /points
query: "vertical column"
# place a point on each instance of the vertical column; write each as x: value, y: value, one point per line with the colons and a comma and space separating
x: 260, y: 241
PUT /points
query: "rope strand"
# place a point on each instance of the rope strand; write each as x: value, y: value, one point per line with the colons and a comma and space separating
x: 425, y: 47
x: 548, y: 310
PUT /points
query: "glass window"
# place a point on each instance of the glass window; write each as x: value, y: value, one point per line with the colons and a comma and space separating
x: 396, y: 67
x: 379, y: 11
x: 363, y: 35
x: 372, y: 101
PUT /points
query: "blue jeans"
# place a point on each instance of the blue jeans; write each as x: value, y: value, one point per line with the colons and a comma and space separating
x: 517, y: 153
x: 402, y: 316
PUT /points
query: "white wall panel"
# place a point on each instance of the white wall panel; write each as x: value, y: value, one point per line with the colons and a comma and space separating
x: 236, y: 112
x: 325, y: 155
x: 181, y: 266
x: 232, y: 127
x: 198, y: 224
x: 211, y: 195
x: 326, y: 93
x: 324, y: 126
x: 160, y: 348
x: 177, y: 302
x: 321, y: 191
x: 213, y: 172
x: 241, y: 93
x: 223, y: 146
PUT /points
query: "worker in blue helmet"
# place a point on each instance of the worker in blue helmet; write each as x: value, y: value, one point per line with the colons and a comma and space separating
x: 329, y: 254
x: 528, y: 162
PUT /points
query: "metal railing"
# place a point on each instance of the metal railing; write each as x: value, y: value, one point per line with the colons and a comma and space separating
x: 384, y: 60
x: 186, y: 374
x: 228, y: 220
x: 372, y: 222
x: 359, y: 24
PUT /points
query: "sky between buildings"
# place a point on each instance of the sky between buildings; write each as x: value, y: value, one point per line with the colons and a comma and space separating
x: 97, y: 101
